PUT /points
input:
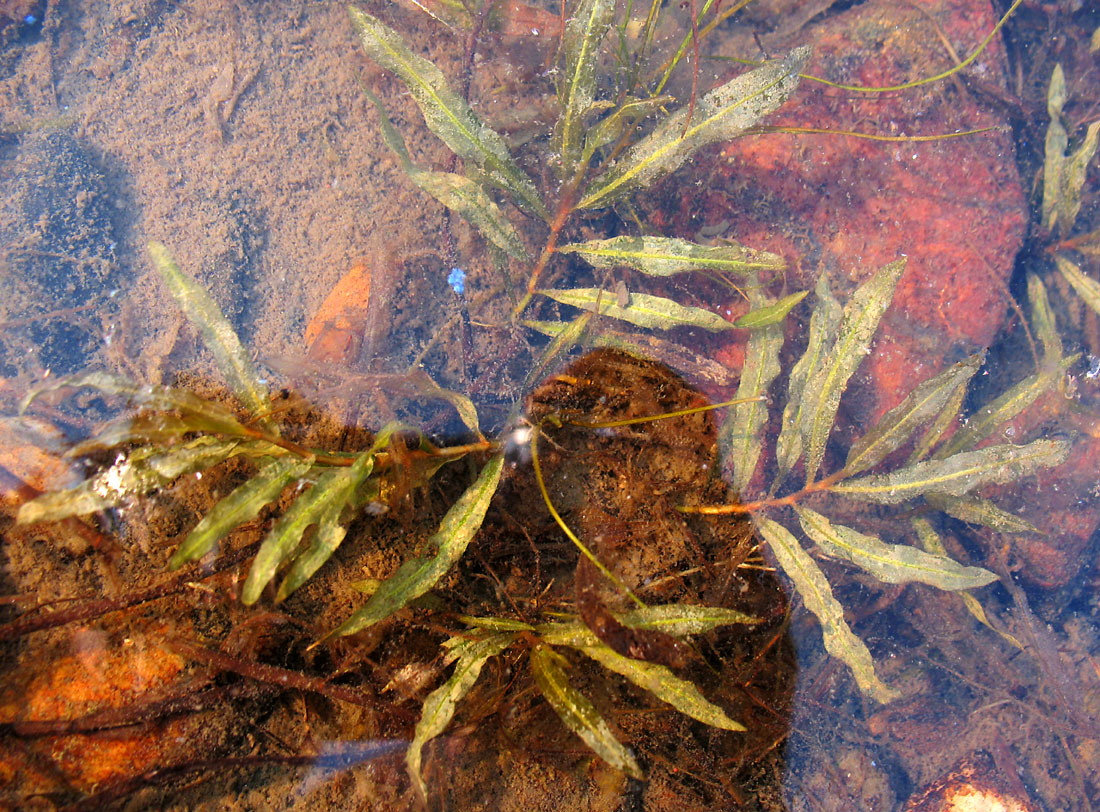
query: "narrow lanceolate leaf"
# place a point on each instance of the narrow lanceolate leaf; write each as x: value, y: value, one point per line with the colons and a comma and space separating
x: 766, y: 315
x: 439, y: 705
x: 892, y: 563
x: 242, y: 505
x: 722, y: 114
x: 580, y: 45
x: 857, y: 327
x: 1057, y: 140
x: 329, y: 533
x: 667, y: 256
x: 1074, y: 174
x: 328, y: 494
x: 217, y: 333
x: 817, y: 595
x: 135, y: 474
x: 467, y: 199
x: 1087, y: 287
x: 824, y: 324
x: 1042, y: 320
x: 920, y: 406
x: 676, y: 619
x: 957, y: 474
x: 445, y: 112
x: 931, y: 541
x: 643, y: 310
x: 663, y: 684
x: 611, y: 128
x: 576, y: 712
x: 1006, y: 406
x: 741, y: 439
x: 418, y: 575
x: 975, y: 510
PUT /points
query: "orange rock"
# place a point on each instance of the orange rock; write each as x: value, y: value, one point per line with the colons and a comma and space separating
x: 335, y: 333
x: 972, y: 785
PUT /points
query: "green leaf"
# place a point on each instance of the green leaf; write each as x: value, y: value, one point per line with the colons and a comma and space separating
x: 667, y: 256
x: 722, y: 114
x: 329, y: 533
x: 576, y: 712
x: 975, y: 510
x: 643, y: 310
x: 741, y: 440
x: 768, y: 315
x: 663, y: 684
x: 217, y: 333
x: 142, y: 470
x: 817, y: 595
x: 1074, y: 174
x: 891, y: 563
x: 676, y: 619
x: 1042, y: 319
x: 1057, y: 140
x: 242, y: 505
x: 584, y: 31
x: 921, y: 405
x: 418, y: 575
x: 445, y: 112
x: 857, y: 327
x: 1006, y: 406
x: 466, y: 198
x: 1087, y: 287
x: 439, y: 705
x: 957, y: 474
x: 824, y: 324
x: 611, y: 127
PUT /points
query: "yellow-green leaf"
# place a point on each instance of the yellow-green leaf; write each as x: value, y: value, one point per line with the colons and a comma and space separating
x: 418, y: 575
x: 217, y: 333
x: 957, y: 474
x: 1087, y: 287
x: 857, y: 327
x: 975, y: 510
x: 610, y: 128
x: 1057, y: 140
x: 1042, y: 319
x: 439, y: 705
x: 676, y: 619
x: 722, y: 114
x: 667, y: 256
x: 467, y: 199
x: 922, y: 404
x: 576, y: 712
x: 767, y: 315
x: 243, y: 504
x: 584, y: 31
x: 643, y: 309
x: 891, y: 563
x: 1074, y: 175
x: 817, y: 596
x: 445, y: 112
x: 663, y: 684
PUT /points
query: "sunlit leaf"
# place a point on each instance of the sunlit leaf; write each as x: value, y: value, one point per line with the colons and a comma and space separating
x: 957, y: 474
x: 576, y: 712
x: 947, y: 417
x: 134, y: 474
x: 1042, y: 319
x: 921, y: 405
x: 439, y: 705
x: 857, y: 327
x: 242, y: 505
x: 824, y: 324
x: 663, y: 684
x: 676, y: 619
x: 643, y: 309
x: 445, y: 112
x: 427, y: 387
x: 817, y: 596
x: 1074, y: 174
x: 418, y: 575
x: 975, y: 510
x: 1087, y: 287
x: 1006, y: 406
x: 892, y: 563
x: 722, y: 114
x: 217, y: 333
x: 580, y: 45
x: 741, y: 439
x: 563, y: 341
x: 766, y: 315
x: 667, y: 256
x: 329, y: 533
x: 1057, y: 140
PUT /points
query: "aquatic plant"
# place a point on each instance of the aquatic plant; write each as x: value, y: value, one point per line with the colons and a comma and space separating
x: 600, y: 160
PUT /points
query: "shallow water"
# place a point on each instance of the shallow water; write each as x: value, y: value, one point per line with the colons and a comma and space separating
x: 238, y: 135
